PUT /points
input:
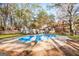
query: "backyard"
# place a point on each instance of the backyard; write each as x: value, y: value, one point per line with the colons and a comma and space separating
x: 42, y: 29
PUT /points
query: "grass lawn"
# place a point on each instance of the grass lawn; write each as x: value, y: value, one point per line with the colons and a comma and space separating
x: 74, y: 37
x: 2, y: 36
x: 9, y: 35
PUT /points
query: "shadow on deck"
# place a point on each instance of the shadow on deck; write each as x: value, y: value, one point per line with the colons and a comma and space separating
x: 44, y: 48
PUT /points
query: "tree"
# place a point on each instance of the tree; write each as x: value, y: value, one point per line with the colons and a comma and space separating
x: 42, y: 18
x: 67, y: 11
x: 7, y: 12
x: 72, y: 10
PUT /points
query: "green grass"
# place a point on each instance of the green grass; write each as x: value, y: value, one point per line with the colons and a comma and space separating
x: 74, y: 37
x: 2, y: 36
x: 9, y: 35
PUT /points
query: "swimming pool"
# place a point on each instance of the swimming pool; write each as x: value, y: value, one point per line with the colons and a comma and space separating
x: 37, y: 38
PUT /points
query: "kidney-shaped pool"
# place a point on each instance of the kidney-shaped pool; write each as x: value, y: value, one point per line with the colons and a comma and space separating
x: 37, y: 38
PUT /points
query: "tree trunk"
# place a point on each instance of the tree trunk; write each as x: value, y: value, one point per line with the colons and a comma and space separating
x: 70, y: 25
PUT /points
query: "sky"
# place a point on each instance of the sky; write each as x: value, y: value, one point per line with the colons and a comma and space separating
x: 53, y: 11
x: 44, y: 6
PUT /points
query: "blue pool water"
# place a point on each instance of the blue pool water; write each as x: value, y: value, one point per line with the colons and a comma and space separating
x: 37, y: 38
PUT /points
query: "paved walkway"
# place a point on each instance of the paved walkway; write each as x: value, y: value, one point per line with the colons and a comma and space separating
x: 51, y: 47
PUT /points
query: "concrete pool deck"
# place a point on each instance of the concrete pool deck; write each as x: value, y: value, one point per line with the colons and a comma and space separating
x: 49, y: 47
